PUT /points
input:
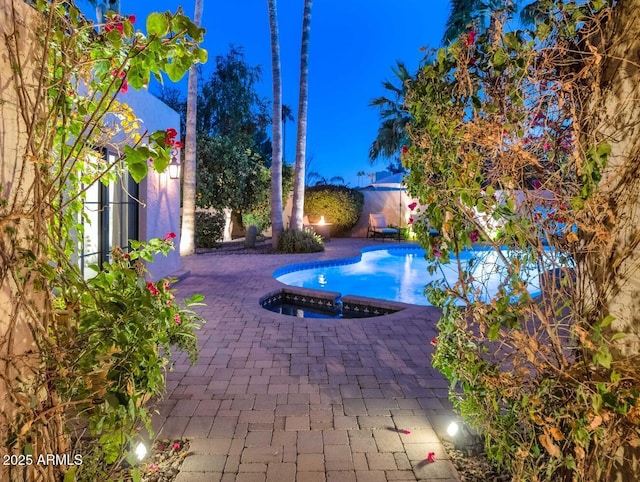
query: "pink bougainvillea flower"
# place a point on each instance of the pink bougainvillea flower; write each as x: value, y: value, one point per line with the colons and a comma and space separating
x: 412, y: 206
x: 152, y: 289
x: 132, y: 18
x: 410, y: 221
x: 431, y: 457
x: 471, y: 37
x: 172, y: 133
x: 537, y: 184
x: 177, y: 318
x: 437, y: 253
x: 169, y: 236
x: 176, y: 446
x: 178, y: 145
x: 169, y: 141
x: 546, y: 146
x: 474, y: 236
x: 434, y: 341
x: 124, y: 87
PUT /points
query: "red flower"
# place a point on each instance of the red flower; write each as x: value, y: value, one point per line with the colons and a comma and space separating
x: 177, y: 319
x: 151, y: 160
x: 169, y: 141
x: 410, y: 221
x: 437, y: 253
x: 434, y: 341
x: 471, y: 37
x: 546, y: 146
x: 537, y: 184
x: 124, y: 87
x: 412, y: 206
x: 152, y: 289
x: 127, y: 256
x: 176, y: 446
x: 178, y: 145
x: 132, y: 18
x: 474, y: 235
x: 171, y: 133
x: 169, y: 236
x: 431, y: 457
x: 405, y: 149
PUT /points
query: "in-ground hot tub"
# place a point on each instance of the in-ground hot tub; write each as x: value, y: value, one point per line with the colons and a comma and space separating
x: 309, y: 304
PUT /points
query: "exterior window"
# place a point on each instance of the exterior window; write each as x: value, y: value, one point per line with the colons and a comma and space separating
x: 110, y: 219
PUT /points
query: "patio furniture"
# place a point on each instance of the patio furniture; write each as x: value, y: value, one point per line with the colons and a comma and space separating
x: 378, y: 227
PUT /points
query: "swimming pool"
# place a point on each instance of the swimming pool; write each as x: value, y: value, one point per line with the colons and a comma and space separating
x: 400, y: 274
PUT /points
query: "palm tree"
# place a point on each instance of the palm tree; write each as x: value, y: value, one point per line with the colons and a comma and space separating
x: 276, y: 127
x: 301, y: 145
x: 477, y: 15
x: 187, y: 234
x: 392, y: 132
x: 286, y: 115
x: 103, y: 6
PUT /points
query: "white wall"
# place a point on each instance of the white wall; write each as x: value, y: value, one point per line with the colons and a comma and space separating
x: 159, y: 194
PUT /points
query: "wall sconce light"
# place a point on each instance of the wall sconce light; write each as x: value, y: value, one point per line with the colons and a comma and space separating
x: 174, y: 165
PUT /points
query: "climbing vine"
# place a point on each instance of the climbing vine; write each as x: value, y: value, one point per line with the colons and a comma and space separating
x: 505, y: 151
x: 80, y: 359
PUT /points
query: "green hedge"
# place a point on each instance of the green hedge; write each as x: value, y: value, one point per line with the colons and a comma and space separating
x: 340, y: 205
x: 208, y: 229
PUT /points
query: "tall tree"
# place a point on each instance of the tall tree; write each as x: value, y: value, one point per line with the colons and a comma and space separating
x: 392, y: 133
x: 103, y: 6
x: 276, y: 123
x: 301, y: 144
x: 286, y: 116
x: 187, y: 234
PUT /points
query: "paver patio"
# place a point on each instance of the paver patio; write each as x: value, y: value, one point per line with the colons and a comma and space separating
x: 280, y: 398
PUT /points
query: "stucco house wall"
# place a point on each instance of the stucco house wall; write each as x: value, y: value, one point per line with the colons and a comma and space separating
x: 159, y: 194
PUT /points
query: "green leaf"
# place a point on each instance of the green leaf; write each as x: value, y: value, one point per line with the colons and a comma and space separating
x: 492, y: 335
x: 157, y: 24
x: 174, y: 71
x: 511, y: 40
x: 607, y: 320
x: 500, y: 58
x: 70, y: 475
x: 543, y: 31
x: 136, y: 474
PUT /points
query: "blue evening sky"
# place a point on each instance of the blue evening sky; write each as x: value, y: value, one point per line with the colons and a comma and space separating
x: 354, y: 44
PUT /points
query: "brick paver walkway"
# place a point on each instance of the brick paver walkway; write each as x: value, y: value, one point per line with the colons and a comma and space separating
x: 279, y: 398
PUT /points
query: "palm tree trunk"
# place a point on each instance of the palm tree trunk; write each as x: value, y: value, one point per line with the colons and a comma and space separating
x: 276, y: 127
x: 301, y: 144
x: 187, y: 236
x: 612, y: 116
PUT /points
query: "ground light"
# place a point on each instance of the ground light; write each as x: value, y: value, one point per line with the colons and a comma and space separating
x: 452, y: 429
x: 141, y: 451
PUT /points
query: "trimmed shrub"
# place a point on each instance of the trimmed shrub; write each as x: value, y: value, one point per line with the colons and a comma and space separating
x: 209, y: 228
x: 294, y: 241
x: 340, y: 205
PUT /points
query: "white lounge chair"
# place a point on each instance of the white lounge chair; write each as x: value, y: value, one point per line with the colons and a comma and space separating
x: 378, y: 227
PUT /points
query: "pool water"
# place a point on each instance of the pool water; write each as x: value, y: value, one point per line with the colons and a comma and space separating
x: 401, y: 274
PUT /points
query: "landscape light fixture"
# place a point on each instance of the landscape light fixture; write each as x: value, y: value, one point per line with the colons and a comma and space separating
x: 452, y: 429
x: 141, y: 451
